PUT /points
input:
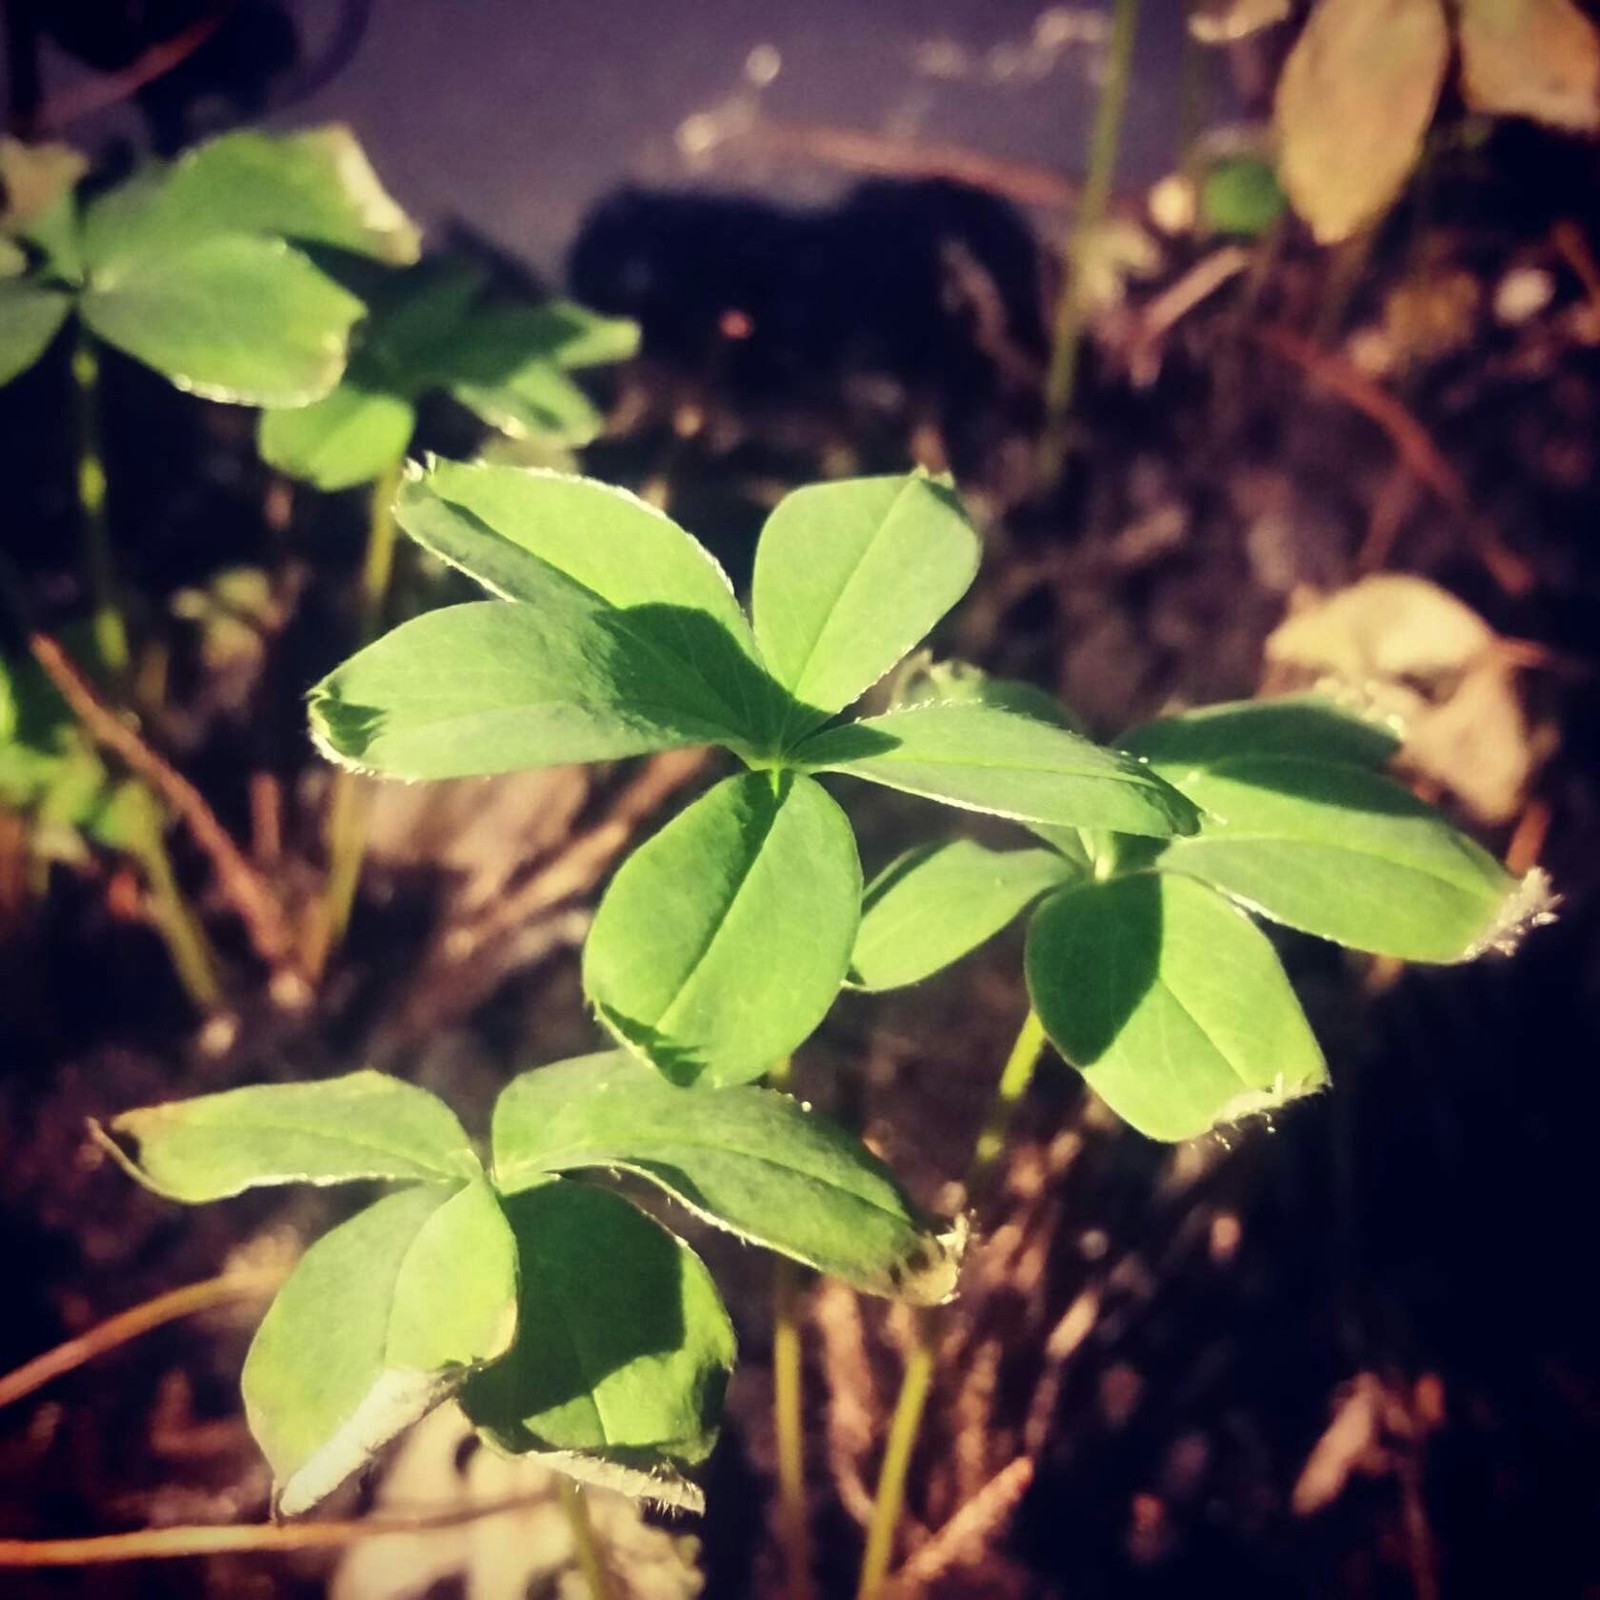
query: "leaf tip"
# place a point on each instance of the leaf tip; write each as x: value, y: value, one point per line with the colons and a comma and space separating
x: 1532, y: 903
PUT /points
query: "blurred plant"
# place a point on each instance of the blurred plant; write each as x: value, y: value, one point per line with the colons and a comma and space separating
x: 1364, y: 80
x: 569, y: 1324
x: 430, y: 328
x: 52, y: 776
x: 190, y: 269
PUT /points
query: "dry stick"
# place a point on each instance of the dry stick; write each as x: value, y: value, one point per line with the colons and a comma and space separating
x: 246, y: 889
x: 918, y: 1378
x: 128, y: 1325
x: 1071, y: 308
x: 1411, y: 440
x: 877, y: 154
x: 347, y: 801
x: 788, y: 1414
x: 270, y: 1538
x: 969, y: 1529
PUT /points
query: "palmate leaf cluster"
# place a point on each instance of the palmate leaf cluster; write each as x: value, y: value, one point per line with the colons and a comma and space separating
x: 724, y: 940
x: 567, y: 1322
x: 199, y: 269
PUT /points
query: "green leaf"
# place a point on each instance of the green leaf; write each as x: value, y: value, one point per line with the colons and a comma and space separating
x: 623, y: 1348
x: 1171, y: 1002
x: 849, y: 576
x: 1240, y: 195
x: 603, y: 538
x: 352, y: 435
x: 363, y: 1125
x: 1305, y: 726
x: 383, y: 1318
x: 314, y: 187
x: 490, y: 687
x: 535, y: 401
x: 1353, y: 106
x: 960, y: 683
x: 508, y: 526
x: 747, y: 1160
x: 723, y: 941
x: 981, y: 759
x: 232, y: 318
x: 558, y: 332
x: 1342, y: 853
x: 939, y: 902
x: 29, y: 318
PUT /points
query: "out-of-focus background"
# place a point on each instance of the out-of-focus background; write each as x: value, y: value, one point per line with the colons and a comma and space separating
x: 1352, y: 1352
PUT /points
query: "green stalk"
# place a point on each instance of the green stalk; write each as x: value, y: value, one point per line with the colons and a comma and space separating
x: 591, y: 1562
x: 110, y: 628
x: 788, y: 1415
x: 347, y: 801
x: 917, y: 1380
x: 192, y: 957
x: 1105, y: 138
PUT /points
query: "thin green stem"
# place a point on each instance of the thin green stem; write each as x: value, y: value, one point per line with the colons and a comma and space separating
x: 110, y: 628
x: 917, y: 1380
x: 788, y: 1414
x: 192, y: 956
x: 591, y: 1562
x: 347, y: 800
x: 1105, y: 139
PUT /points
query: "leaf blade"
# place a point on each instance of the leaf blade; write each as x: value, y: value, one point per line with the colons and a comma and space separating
x: 352, y: 435
x: 939, y: 902
x: 744, y: 1159
x: 364, y: 1125
x: 1344, y: 854
x: 359, y: 1343
x: 722, y: 942
x: 628, y: 1365
x: 849, y: 576
x: 1170, y: 1002
x: 488, y: 687
x: 30, y: 318
x: 984, y: 759
x: 179, y: 313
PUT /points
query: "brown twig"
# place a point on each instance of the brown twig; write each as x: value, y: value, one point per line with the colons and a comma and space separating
x: 83, y: 100
x: 260, y: 1538
x: 246, y: 889
x: 1411, y: 440
x: 468, y: 949
x: 879, y: 155
x: 235, y: 1284
x: 967, y: 1534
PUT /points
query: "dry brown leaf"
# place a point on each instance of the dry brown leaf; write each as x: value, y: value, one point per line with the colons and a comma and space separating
x: 1353, y: 105
x: 1407, y: 649
x: 1531, y: 58
x: 1224, y: 21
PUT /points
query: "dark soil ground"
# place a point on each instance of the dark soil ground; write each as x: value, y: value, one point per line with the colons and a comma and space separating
x: 1169, y: 1335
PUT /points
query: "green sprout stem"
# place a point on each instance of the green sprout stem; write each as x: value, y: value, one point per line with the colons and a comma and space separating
x: 917, y: 1380
x: 192, y: 956
x: 1066, y: 346
x: 110, y: 628
x: 347, y: 802
x: 788, y: 1414
x: 585, y: 1543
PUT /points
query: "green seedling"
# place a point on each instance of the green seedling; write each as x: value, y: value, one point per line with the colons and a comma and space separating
x: 568, y: 1323
x: 432, y: 329
x: 52, y: 776
x: 198, y: 270
x: 1144, y: 959
x: 723, y: 941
